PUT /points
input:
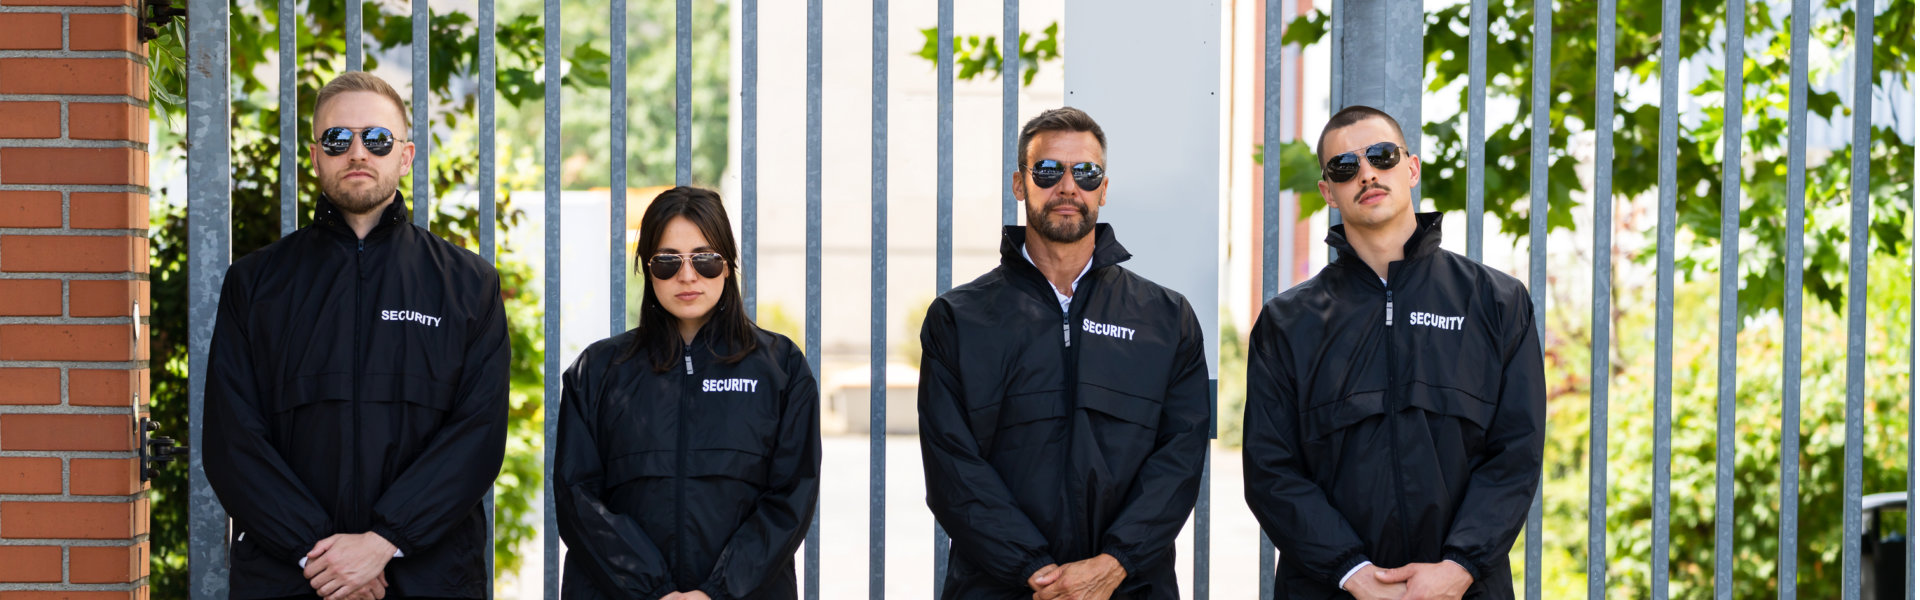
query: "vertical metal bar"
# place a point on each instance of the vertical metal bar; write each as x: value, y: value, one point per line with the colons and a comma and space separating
x: 749, y: 153
x: 1857, y: 296
x: 1476, y: 128
x: 617, y: 205
x: 422, y: 134
x: 550, y: 130
x: 210, y: 249
x: 356, y: 38
x: 1537, y: 196
x: 1335, y: 100
x: 1203, y: 505
x: 1790, y: 368
x: 1270, y: 265
x: 1730, y: 177
x: 943, y: 234
x: 683, y: 92
x: 1913, y: 392
x: 877, y: 322
x: 289, y: 119
x: 1663, y: 341
x: 1289, y: 88
x: 815, y: 29
x: 488, y: 181
x: 1602, y: 305
x: 1009, y: 104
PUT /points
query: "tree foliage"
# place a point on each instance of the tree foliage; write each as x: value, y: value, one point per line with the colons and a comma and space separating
x: 974, y: 55
x: 1699, y: 165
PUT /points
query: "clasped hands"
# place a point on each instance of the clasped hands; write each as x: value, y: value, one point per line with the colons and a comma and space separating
x: 349, y: 566
x: 1443, y: 580
x: 1091, y: 579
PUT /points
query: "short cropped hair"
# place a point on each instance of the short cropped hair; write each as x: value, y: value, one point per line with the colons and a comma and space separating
x: 1350, y: 115
x: 358, y: 81
x: 1065, y: 118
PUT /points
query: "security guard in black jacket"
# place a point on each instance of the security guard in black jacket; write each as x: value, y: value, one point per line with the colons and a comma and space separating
x: 688, y: 460
x: 356, y: 399
x: 1063, y: 398
x: 1395, y: 402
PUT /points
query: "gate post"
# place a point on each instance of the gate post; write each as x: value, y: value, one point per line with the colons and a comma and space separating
x: 73, y: 299
x: 1379, y: 61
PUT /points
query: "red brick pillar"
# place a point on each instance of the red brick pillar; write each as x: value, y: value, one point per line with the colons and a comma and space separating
x: 73, y: 267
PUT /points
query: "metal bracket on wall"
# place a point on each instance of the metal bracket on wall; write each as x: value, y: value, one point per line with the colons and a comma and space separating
x: 156, y: 449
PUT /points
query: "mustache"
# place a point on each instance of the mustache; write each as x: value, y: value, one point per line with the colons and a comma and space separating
x: 360, y: 166
x: 1076, y: 204
x: 1370, y: 186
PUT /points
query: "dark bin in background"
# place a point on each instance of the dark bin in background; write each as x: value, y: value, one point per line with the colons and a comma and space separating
x: 1883, y: 559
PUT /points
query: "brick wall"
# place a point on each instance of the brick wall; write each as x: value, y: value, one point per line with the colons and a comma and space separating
x: 73, y: 267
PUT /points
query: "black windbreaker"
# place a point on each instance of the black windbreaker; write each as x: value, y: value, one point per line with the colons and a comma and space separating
x: 1397, y: 422
x: 353, y: 386
x: 704, y: 477
x: 1051, y: 439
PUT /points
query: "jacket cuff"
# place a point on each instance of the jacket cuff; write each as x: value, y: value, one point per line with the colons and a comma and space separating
x: 1466, y: 564
x: 1345, y: 566
x: 392, y: 537
x: 1126, y: 562
x: 713, y: 590
x: 1033, y: 567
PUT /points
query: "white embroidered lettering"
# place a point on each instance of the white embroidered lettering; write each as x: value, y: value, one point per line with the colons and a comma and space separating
x: 408, y: 315
x: 1437, y: 321
x: 729, y: 385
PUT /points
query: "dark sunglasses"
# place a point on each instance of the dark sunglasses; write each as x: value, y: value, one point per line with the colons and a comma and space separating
x: 336, y: 141
x: 1345, y: 165
x: 1047, y: 173
x: 707, y: 264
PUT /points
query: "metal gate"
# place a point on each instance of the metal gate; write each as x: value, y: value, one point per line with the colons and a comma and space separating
x: 208, y: 192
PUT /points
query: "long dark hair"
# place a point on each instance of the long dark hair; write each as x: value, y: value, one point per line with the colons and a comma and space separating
x: 728, y: 326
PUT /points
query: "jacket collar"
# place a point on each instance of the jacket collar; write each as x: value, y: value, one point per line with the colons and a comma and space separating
x: 330, y: 217
x: 1107, y: 250
x: 1424, y: 242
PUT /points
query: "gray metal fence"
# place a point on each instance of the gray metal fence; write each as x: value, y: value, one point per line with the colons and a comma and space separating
x: 209, y: 209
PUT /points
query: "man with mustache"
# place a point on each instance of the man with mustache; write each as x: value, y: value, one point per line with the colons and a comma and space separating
x: 356, y: 399
x: 1063, y: 398
x: 1396, y: 401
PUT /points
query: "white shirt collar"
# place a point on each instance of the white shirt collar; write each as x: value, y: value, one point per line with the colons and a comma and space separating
x: 1065, y: 300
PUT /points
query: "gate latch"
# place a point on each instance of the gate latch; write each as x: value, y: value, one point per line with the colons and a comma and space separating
x: 156, y: 449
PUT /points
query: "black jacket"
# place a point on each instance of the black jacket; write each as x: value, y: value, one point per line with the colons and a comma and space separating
x: 353, y: 386
x: 1396, y: 423
x: 1051, y: 439
x: 700, y: 478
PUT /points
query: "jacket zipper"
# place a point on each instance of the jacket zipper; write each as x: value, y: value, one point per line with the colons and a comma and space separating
x: 353, y: 440
x: 1393, y: 424
x: 1066, y: 330
x: 680, y: 461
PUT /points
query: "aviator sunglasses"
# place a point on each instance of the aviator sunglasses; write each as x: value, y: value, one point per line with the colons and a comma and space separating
x: 1343, y: 166
x: 1047, y: 173
x: 707, y: 264
x: 336, y: 141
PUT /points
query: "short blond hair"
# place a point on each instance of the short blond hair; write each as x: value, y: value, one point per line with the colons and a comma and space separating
x: 359, y: 81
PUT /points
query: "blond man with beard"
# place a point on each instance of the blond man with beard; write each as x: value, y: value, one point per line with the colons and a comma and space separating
x: 356, y: 401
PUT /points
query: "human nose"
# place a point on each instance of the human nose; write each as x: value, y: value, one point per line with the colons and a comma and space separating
x: 686, y: 272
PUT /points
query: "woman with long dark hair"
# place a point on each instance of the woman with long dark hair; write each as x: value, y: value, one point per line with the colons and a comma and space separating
x: 688, y: 455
